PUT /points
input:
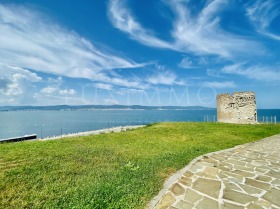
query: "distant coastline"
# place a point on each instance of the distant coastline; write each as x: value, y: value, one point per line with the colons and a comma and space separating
x: 99, y: 107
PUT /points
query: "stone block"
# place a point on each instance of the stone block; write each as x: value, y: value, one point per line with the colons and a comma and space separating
x: 167, y: 200
x: 257, y: 184
x: 207, y: 203
x: 177, y: 189
x: 254, y: 206
x: 207, y: 186
x: 185, y: 181
x: 238, y: 197
x: 227, y: 205
x: 192, y: 196
x: 264, y: 178
x: 243, y: 173
x: 240, y: 107
x: 250, y: 190
x: 273, y: 196
x: 184, y: 205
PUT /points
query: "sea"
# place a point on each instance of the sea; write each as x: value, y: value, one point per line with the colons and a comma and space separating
x: 56, y: 123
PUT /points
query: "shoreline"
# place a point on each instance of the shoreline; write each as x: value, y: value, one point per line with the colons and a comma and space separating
x: 94, y: 132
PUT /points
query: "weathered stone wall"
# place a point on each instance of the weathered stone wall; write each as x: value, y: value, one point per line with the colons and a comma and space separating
x: 240, y: 107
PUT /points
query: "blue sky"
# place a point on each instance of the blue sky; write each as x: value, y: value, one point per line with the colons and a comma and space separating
x: 161, y: 52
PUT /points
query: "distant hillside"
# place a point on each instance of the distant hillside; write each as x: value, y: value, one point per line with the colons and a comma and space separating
x: 99, y: 107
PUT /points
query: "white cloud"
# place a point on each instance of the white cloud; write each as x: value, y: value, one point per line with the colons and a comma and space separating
x: 162, y: 79
x: 202, y: 34
x: 165, y: 78
x: 49, y: 90
x: 262, y: 73
x: 29, y: 40
x: 122, y: 19
x: 186, y: 62
x: 118, y: 80
x: 67, y: 92
x: 56, y: 81
x: 199, y: 33
x: 128, y: 91
x: 189, y: 63
x: 55, y: 88
x: 103, y: 86
x: 15, y: 80
x: 262, y: 13
x: 220, y: 85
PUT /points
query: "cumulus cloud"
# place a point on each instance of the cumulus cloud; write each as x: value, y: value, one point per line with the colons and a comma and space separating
x: 56, y: 81
x: 164, y: 77
x: 49, y: 90
x: 200, y: 34
x: 55, y: 88
x: 30, y: 40
x: 15, y: 80
x: 67, y: 92
x: 17, y: 85
x: 262, y: 14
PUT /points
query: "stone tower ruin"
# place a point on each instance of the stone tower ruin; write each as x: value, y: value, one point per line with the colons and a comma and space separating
x: 239, y: 107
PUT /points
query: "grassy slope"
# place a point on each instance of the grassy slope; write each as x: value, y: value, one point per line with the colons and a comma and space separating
x: 117, y: 170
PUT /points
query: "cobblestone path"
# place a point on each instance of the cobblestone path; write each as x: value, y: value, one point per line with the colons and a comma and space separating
x: 247, y: 176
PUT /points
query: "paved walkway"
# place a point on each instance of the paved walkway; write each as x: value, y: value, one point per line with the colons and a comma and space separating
x: 247, y: 176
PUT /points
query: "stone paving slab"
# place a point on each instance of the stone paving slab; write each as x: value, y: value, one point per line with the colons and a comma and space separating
x: 245, y: 177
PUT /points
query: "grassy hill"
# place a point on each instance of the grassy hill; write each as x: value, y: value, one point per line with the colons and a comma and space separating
x: 116, y: 170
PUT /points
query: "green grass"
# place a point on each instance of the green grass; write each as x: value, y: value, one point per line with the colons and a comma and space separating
x: 115, y: 170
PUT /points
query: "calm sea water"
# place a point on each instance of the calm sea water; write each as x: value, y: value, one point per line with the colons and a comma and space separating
x: 53, y: 123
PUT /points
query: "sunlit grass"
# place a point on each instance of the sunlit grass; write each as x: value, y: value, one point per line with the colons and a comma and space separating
x: 116, y: 170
